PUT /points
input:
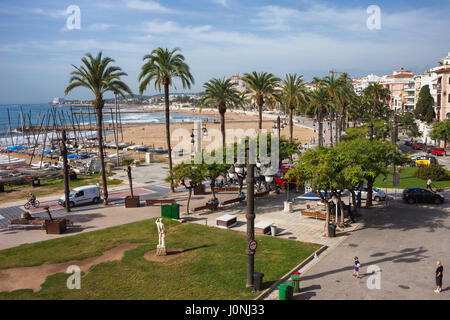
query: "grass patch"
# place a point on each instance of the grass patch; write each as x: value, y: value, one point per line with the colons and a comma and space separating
x: 213, y: 265
x: 408, y: 180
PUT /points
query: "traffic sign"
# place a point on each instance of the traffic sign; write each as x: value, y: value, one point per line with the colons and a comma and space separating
x: 252, y: 245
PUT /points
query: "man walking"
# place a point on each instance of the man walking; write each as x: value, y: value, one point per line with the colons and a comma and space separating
x: 439, y: 271
x: 429, y: 185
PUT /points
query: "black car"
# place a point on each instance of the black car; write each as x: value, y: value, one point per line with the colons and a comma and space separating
x: 421, y: 195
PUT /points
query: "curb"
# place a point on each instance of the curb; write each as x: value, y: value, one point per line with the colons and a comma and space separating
x: 287, y: 275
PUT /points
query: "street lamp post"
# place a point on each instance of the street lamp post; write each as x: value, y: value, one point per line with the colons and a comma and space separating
x: 250, y: 216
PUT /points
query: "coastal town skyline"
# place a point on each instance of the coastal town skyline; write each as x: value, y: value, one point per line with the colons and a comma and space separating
x: 217, y: 38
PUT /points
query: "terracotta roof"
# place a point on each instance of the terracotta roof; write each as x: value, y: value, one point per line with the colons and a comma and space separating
x: 402, y: 75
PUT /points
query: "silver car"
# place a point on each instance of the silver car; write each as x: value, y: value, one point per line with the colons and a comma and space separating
x: 377, y: 194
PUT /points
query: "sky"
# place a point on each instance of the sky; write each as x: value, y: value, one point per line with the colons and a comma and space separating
x: 218, y: 38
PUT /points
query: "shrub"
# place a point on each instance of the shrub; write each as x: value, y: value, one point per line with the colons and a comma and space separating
x: 433, y: 172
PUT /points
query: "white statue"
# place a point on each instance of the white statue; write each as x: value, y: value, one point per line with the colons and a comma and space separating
x: 161, y: 249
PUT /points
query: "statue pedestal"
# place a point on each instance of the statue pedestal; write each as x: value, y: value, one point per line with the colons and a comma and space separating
x: 161, y: 251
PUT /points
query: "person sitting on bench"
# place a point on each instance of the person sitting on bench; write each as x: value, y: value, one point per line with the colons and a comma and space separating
x: 212, y: 201
x: 241, y: 195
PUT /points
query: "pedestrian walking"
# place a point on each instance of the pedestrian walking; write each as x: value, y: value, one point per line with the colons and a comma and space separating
x: 439, y: 273
x: 356, y: 270
x: 429, y: 185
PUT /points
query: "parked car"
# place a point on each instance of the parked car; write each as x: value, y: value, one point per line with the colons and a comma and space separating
x: 377, y: 194
x: 428, y: 149
x: 421, y: 195
x: 426, y: 161
x: 418, y: 146
x: 438, y: 151
x: 82, y: 195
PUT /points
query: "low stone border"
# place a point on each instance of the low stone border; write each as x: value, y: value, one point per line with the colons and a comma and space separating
x: 287, y: 275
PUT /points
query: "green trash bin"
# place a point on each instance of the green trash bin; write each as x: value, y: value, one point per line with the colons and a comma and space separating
x: 284, y: 291
x: 295, y: 279
x: 166, y: 211
x: 175, y: 211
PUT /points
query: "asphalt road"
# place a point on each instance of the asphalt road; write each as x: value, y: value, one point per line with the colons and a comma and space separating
x: 402, y: 241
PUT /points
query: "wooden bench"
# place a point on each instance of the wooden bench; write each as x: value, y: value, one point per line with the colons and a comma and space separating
x: 261, y: 194
x: 235, y: 200
x: 149, y: 202
x: 231, y: 189
x: 25, y: 223
x: 212, y: 206
x: 226, y: 221
x: 319, y: 215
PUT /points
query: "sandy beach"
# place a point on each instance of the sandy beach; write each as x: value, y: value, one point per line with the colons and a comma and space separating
x: 237, y: 124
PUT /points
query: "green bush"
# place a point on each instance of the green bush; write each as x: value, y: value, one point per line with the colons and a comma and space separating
x: 126, y: 162
x: 433, y: 172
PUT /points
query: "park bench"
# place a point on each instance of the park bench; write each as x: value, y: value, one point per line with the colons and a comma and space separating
x: 319, y: 215
x: 149, y: 202
x: 25, y: 223
x: 235, y: 200
x: 226, y: 221
x: 231, y: 189
x: 261, y: 194
x: 212, y: 206
x: 262, y: 227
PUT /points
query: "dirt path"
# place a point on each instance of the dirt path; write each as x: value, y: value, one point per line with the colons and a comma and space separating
x: 34, y: 277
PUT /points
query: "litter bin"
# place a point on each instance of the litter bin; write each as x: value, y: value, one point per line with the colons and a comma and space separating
x: 273, y: 230
x: 332, y: 230
x: 257, y: 280
x: 175, y: 211
x: 166, y: 211
x: 295, y: 279
x: 284, y: 291
x: 171, y: 211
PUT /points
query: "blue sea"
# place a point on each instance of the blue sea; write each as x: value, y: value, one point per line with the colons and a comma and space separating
x: 23, y: 115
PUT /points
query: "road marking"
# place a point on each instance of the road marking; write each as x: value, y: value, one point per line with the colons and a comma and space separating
x: 1, y: 217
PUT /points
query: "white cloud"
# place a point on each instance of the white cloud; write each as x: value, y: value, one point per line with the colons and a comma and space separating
x: 148, y: 5
x: 221, y: 2
x: 99, y: 27
x: 57, y: 14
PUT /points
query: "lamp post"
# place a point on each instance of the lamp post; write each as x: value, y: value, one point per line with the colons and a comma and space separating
x: 250, y: 216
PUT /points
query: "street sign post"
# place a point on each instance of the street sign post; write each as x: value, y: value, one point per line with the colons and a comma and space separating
x: 252, y: 245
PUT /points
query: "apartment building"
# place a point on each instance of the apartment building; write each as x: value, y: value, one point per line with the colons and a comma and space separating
x: 401, y: 84
x: 443, y: 88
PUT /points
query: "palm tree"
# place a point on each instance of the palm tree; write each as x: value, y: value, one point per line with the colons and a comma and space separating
x: 99, y: 78
x: 163, y: 66
x: 222, y: 94
x: 318, y: 101
x: 345, y: 96
x: 293, y: 92
x: 261, y: 86
x: 376, y: 93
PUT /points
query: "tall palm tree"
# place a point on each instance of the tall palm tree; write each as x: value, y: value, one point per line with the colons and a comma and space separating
x: 345, y: 96
x: 99, y: 78
x: 163, y: 66
x: 293, y: 92
x: 261, y: 86
x: 222, y: 94
x: 376, y: 93
x: 332, y: 84
x: 318, y: 101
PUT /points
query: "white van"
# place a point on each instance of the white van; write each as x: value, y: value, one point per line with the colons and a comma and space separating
x: 82, y: 195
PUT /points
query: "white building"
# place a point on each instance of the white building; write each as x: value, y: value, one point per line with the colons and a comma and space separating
x: 360, y: 84
x: 238, y: 83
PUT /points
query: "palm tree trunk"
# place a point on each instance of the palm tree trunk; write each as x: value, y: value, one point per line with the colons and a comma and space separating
x: 222, y: 127
x: 331, y: 130
x: 169, y: 149
x: 260, y: 108
x: 291, y: 124
x: 320, y: 120
x: 99, y: 110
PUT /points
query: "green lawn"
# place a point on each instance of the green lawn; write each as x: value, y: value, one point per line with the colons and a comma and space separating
x: 407, y: 180
x: 213, y: 265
